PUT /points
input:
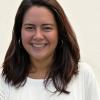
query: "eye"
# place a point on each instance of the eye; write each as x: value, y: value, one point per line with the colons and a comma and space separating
x: 47, y: 28
x: 29, y: 28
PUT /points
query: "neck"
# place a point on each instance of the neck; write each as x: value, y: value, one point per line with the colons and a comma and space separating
x: 40, y: 68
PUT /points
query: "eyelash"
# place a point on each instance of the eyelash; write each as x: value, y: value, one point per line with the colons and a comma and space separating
x: 43, y: 28
x: 47, y: 28
x: 29, y: 28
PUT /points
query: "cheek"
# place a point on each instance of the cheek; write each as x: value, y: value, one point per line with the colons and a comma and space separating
x: 25, y: 37
x: 54, y: 39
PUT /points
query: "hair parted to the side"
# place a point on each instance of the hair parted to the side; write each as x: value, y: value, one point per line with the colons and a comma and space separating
x: 16, y: 65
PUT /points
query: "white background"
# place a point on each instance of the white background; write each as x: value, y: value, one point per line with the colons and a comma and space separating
x: 84, y: 16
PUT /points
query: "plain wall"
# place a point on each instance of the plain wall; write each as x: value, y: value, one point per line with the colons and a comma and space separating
x: 84, y: 16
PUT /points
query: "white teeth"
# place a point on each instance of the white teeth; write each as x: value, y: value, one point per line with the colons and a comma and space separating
x: 38, y: 45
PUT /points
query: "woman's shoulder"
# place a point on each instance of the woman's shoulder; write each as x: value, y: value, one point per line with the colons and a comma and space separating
x: 86, y: 73
x: 87, y: 76
x: 2, y: 79
x: 3, y: 84
x: 85, y: 68
x: 4, y: 87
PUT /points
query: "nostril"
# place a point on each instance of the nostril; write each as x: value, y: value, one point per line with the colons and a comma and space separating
x: 38, y: 38
x: 38, y: 35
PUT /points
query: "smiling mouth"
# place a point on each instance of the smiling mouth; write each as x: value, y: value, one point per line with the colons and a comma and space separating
x: 36, y: 45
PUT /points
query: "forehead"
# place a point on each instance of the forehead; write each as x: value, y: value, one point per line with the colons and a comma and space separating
x: 38, y: 12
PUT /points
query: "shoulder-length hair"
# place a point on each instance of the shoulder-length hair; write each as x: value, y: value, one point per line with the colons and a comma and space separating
x: 16, y: 64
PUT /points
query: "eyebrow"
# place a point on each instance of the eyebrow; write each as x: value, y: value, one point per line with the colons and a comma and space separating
x: 29, y: 24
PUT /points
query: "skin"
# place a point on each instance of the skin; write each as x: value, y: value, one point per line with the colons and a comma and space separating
x: 39, y: 35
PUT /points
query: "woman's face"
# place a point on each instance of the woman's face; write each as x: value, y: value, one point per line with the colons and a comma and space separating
x: 39, y: 33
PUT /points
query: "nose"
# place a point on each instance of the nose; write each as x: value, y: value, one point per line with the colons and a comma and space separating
x: 38, y: 35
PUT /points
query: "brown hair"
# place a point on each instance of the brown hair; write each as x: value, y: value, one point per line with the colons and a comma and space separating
x: 65, y: 66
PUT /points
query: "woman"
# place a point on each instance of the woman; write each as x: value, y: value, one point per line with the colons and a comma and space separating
x: 42, y: 61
